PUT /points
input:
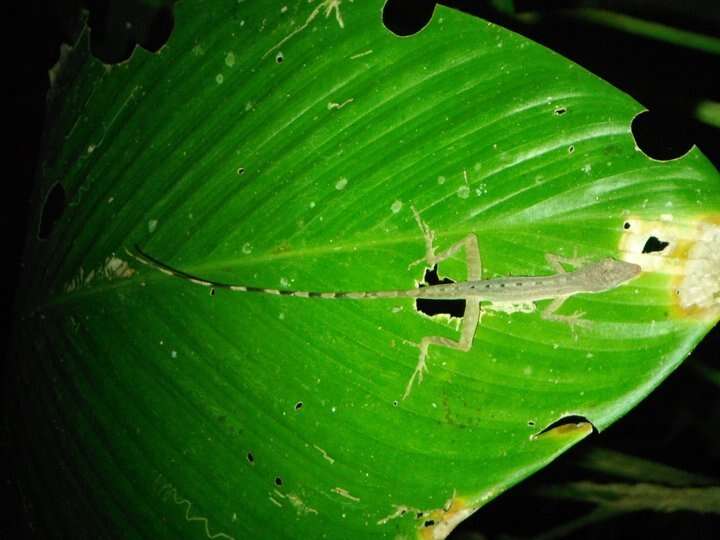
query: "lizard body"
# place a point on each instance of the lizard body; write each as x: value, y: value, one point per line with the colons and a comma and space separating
x: 593, y: 277
x: 598, y: 276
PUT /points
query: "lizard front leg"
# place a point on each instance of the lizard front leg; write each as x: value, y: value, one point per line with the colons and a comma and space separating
x: 470, y: 243
x: 556, y: 261
x: 472, y: 314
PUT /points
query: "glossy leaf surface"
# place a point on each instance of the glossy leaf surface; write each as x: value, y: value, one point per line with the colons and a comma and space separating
x: 283, y: 145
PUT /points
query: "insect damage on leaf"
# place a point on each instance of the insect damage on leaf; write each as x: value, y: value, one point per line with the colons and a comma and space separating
x: 687, y: 250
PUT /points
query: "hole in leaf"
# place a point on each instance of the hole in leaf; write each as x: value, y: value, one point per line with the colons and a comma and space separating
x: 559, y: 111
x: 250, y: 458
x: 661, y: 135
x: 566, y: 423
x: 241, y: 171
x: 430, y: 523
x: 159, y: 29
x: 407, y: 17
x: 298, y: 405
x: 52, y: 210
x: 280, y: 58
x: 118, y: 27
x: 571, y: 149
x: 278, y: 481
x: 626, y: 225
x: 454, y: 308
x: 654, y: 244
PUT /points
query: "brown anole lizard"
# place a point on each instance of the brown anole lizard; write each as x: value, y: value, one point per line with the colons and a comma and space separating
x: 594, y: 277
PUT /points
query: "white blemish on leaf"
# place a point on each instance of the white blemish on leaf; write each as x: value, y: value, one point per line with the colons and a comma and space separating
x: 510, y: 308
x: 299, y: 505
x: 451, y: 519
x: 360, y: 55
x: 116, y: 268
x: 247, y: 248
x: 284, y: 283
x: 341, y: 184
x: 700, y: 287
x: 438, y: 523
x: 325, y: 455
x: 690, y: 257
x: 112, y: 268
x: 328, y: 5
x: 481, y: 190
x: 463, y: 192
x: 276, y: 503
x: 152, y: 225
x: 230, y: 59
x: 219, y: 78
x: 336, y: 106
x: 441, y: 180
x: 173, y: 354
x: 400, y: 511
x: 197, y: 50
x: 312, y: 204
x: 168, y: 492
x: 344, y: 493
x: 396, y: 207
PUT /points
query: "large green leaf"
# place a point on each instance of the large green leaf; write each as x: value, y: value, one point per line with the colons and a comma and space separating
x: 283, y: 145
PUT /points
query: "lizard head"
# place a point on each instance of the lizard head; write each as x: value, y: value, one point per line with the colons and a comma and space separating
x: 610, y: 272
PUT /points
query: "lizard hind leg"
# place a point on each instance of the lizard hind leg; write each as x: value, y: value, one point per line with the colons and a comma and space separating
x: 471, y: 319
x: 574, y: 320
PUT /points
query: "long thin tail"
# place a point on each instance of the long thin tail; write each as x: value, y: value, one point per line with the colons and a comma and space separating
x: 147, y: 260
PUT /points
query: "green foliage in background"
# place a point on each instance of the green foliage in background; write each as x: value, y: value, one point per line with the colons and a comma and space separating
x: 282, y: 145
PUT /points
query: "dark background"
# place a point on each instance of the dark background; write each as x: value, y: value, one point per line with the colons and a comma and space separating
x: 676, y: 425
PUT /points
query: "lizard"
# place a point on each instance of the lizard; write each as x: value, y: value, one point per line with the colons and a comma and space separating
x: 587, y: 277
